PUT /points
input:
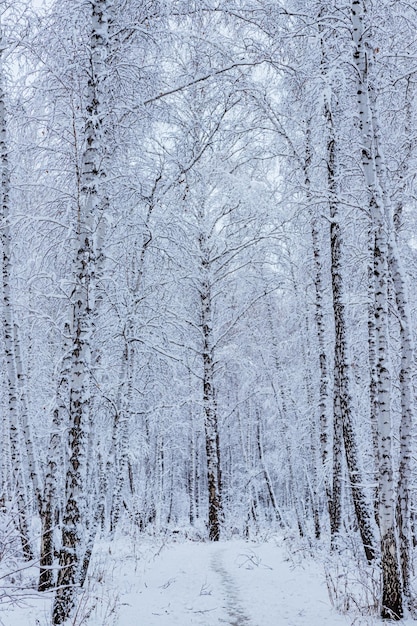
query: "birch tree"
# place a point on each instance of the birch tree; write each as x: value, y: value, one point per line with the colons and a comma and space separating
x: 88, y: 246
x: 392, y: 591
x: 9, y: 330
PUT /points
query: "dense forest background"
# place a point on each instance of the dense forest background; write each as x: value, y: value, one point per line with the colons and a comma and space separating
x: 208, y: 277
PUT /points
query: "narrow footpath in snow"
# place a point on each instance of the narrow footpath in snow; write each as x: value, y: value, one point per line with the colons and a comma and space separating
x: 230, y: 592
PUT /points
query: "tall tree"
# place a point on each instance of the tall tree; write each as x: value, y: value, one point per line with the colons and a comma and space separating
x: 16, y: 381
x: 88, y: 242
x: 392, y: 591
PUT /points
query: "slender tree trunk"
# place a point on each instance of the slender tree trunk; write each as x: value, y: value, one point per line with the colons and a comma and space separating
x: 343, y: 403
x: 160, y: 474
x: 122, y: 443
x: 192, y: 465
x: 324, y: 377
x: 211, y: 426
x: 320, y: 326
x: 392, y: 598
x: 51, y: 486
x: 403, y: 508
x: 343, y: 434
x: 74, y: 516
x: 407, y: 429
x: 407, y: 417
x: 268, y: 481
x: 373, y: 378
x: 14, y: 395
x: 311, y: 466
x: 89, y: 245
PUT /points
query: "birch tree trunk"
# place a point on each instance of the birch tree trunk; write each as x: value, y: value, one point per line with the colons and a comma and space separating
x: 372, y: 359
x: 89, y: 246
x: 407, y: 428
x: 211, y: 426
x: 10, y: 338
x: 320, y: 325
x: 51, y: 487
x: 123, y: 423
x: 265, y: 471
x: 392, y: 600
x: 407, y: 416
x: 343, y: 433
x: 395, y: 266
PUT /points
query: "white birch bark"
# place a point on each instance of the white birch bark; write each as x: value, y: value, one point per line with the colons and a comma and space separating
x: 14, y: 393
x: 209, y: 399
x: 53, y: 484
x: 407, y: 415
x: 372, y: 360
x: 123, y: 424
x: 311, y: 468
x: 320, y: 326
x: 397, y: 273
x: 80, y: 401
x: 342, y: 396
x: 89, y: 247
x: 391, y: 601
x: 192, y: 469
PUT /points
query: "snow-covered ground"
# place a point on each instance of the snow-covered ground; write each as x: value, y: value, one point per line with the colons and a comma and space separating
x: 170, y: 583
x: 234, y: 582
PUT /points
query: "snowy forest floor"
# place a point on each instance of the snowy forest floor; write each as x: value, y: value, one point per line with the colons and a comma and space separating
x: 171, y: 582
